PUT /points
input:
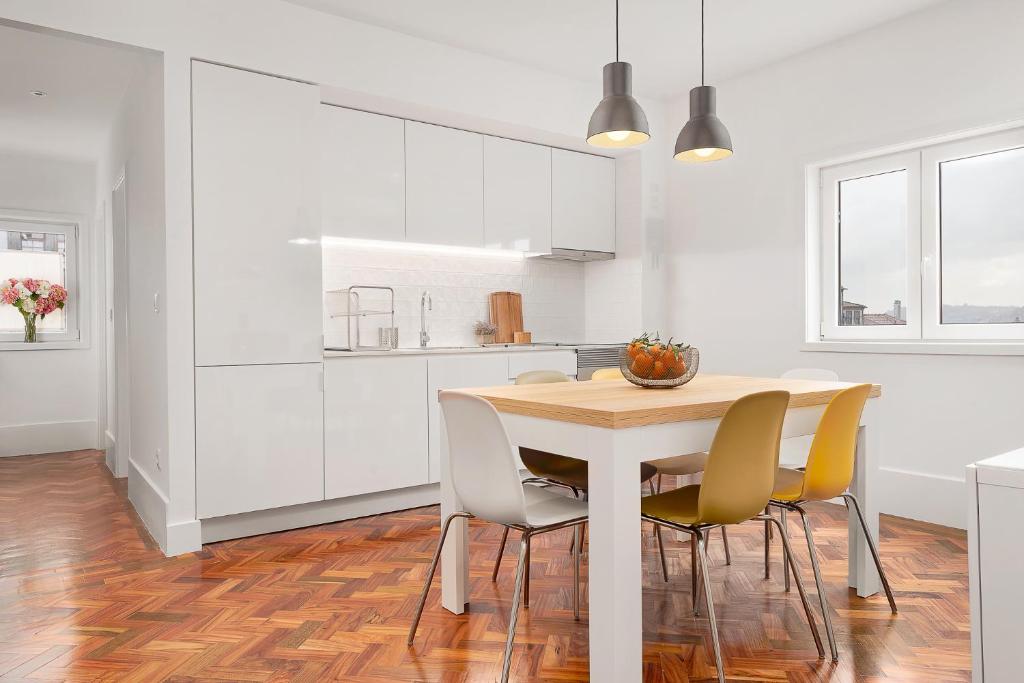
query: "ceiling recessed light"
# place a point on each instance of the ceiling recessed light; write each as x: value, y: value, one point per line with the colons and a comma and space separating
x: 37, y: 93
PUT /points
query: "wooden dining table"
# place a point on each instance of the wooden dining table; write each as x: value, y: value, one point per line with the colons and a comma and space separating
x: 615, y: 426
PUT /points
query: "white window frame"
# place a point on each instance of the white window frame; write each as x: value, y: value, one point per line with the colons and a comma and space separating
x: 72, y: 229
x: 831, y: 177
x: 931, y: 238
x: 924, y: 332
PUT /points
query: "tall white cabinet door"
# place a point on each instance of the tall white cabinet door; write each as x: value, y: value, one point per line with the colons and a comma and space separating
x: 582, y: 201
x: 362, y: 174
x: 375, y: 424
x: 256, y: 222
x: 259, y: 437
x: 458, y: 372
x: 444, y: 185
x: 517, y: 195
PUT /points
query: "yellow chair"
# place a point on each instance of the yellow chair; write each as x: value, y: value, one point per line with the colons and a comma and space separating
x: 736, y: 487
x: 828, y: 474
x: 607, y: 373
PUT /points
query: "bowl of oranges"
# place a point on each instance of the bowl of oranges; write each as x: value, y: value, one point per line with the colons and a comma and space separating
x: 654, y: 364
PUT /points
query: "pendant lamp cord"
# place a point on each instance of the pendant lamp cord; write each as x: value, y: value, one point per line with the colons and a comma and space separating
x: 701, y: 41
x: 617, y: 30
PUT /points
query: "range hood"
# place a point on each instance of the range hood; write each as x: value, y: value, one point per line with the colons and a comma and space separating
x: 560, y: 254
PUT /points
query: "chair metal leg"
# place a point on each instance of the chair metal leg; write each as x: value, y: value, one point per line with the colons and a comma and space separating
x: 822, y: 599
x: 849, y: 497
x: 430, y: 574
x: 650, y: 483
x: 661, y: 550
x: 785, y: 553
x: 694, y: 596
x: 699, y: 541
x: 526, y: 587
x: 657, y: 489
x: 725, y: 541
x: 767, y: 545
x: 524, y: 554
x: 576, y: 572
x: 800, y: 590
x: 501, y: 551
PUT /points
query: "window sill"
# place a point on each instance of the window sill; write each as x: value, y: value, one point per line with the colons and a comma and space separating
x: 933, y: 348
x: 55, y: 345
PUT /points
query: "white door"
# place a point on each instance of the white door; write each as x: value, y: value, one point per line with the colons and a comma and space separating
x: 582, y: 201
x: 458, y: 372
x: 444, y: 185
x: 517, y: 195
x: 259, y: 437
x: 119, y: 397
x: 375, y: 424
x: 362, y: 174
x: 256, y: 222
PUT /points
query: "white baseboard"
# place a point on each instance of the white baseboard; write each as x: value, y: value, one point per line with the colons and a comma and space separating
x: 183, y: 537
x: 149, y: 502
x: 322, y: 512
x: 47, y: 437
x: 110, y: 448
x: 924, y: 497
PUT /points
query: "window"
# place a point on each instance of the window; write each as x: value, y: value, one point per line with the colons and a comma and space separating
x: 46, y: 251
x: 926, y: 244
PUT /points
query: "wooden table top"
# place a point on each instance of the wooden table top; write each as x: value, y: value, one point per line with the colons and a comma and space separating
x: 617, y: 404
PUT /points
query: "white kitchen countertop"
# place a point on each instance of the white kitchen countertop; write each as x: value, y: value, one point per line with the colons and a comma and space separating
x: 442, y: 350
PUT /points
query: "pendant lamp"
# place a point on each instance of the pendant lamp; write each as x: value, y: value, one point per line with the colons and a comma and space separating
x: 618, y: 120
x: 704, y: 137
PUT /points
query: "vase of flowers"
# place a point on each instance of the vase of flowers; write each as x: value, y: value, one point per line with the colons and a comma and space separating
x: 484, y: 332
x: 34, y: 299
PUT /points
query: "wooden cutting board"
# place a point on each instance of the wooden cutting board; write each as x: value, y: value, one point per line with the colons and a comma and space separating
x: 506, y: 315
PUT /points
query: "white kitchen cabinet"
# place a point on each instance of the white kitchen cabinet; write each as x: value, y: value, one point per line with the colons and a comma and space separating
x: 444, y: 185
x: 517, y: 195
x: 256, y: 218
x: 375, y: 424
x: 563, y: 361
x: 996, y: 560
x: 362, y: 174
x: 458, y: 372
x: 259, y: 437
x: 582, y: 201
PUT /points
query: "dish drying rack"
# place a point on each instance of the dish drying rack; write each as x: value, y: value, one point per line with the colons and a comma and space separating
x: 355, y: 313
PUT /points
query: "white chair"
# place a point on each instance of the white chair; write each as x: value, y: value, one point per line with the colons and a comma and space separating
x: 484, y: 474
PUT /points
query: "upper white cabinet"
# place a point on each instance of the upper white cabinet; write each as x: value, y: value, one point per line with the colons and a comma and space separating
x: 256, y: 218
x: 259, y: 437
x: 375, y: 424
x: 582, y: 201
x: 444, y: 185
x: 517, y: 195
x: 362, y: 165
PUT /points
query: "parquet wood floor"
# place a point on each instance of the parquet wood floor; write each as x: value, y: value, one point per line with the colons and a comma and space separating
x: 86, y: 596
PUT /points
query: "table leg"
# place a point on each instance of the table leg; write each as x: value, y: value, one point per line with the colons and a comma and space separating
x: 455, y: 556
x: 616, y: 615
x: 862, y: 573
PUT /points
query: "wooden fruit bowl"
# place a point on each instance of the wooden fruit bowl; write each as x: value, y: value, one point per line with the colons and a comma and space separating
x: 691, y: 356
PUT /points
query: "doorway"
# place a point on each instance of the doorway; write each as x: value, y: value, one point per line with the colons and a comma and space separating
x: 118, y: 434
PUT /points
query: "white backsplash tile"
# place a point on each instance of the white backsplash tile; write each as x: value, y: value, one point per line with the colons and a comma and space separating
x: 553, y: 293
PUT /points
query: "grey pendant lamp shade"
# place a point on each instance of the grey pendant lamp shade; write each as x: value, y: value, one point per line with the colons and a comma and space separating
x: 618, y: 120
x: 704, y: 137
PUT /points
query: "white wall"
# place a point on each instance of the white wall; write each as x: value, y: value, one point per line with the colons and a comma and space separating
x: 459, y: 285
x: 49, y: 395
x: 738, y: 227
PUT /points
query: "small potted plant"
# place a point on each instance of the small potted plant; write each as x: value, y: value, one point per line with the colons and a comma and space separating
x: 484, y: 332
x: 34, y: 299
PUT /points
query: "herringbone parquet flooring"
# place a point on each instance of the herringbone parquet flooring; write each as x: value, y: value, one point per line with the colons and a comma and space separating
x: 86, y: 596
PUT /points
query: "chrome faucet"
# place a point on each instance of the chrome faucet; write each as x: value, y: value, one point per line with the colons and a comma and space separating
x: 426, y: 304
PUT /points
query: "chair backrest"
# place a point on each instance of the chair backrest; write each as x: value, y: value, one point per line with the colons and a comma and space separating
x: 834, y: 448
x: 482, y: 461
x: 542, y: 377
x: 820, y: 374
x: 603, y: 374
x: 744, y: 455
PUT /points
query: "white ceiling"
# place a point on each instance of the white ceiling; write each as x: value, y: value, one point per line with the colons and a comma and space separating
x: 84, y: 83
x: 576, y: 38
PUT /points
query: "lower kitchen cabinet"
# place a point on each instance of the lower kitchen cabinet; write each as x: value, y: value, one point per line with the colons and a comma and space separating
x: 457, y: 372
x: 259, y: 437
x: 375, y: 424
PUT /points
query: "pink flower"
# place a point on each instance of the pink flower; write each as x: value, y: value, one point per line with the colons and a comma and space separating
x: 58, y: 293
x: 12, y: 281
x: 30, y: 284
x: 8, y: 295
x: 45, y: 306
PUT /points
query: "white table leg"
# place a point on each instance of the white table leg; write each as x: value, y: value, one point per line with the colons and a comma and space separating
x: 862, y: 573
x: 616, y: 610
x: 455, y: 556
